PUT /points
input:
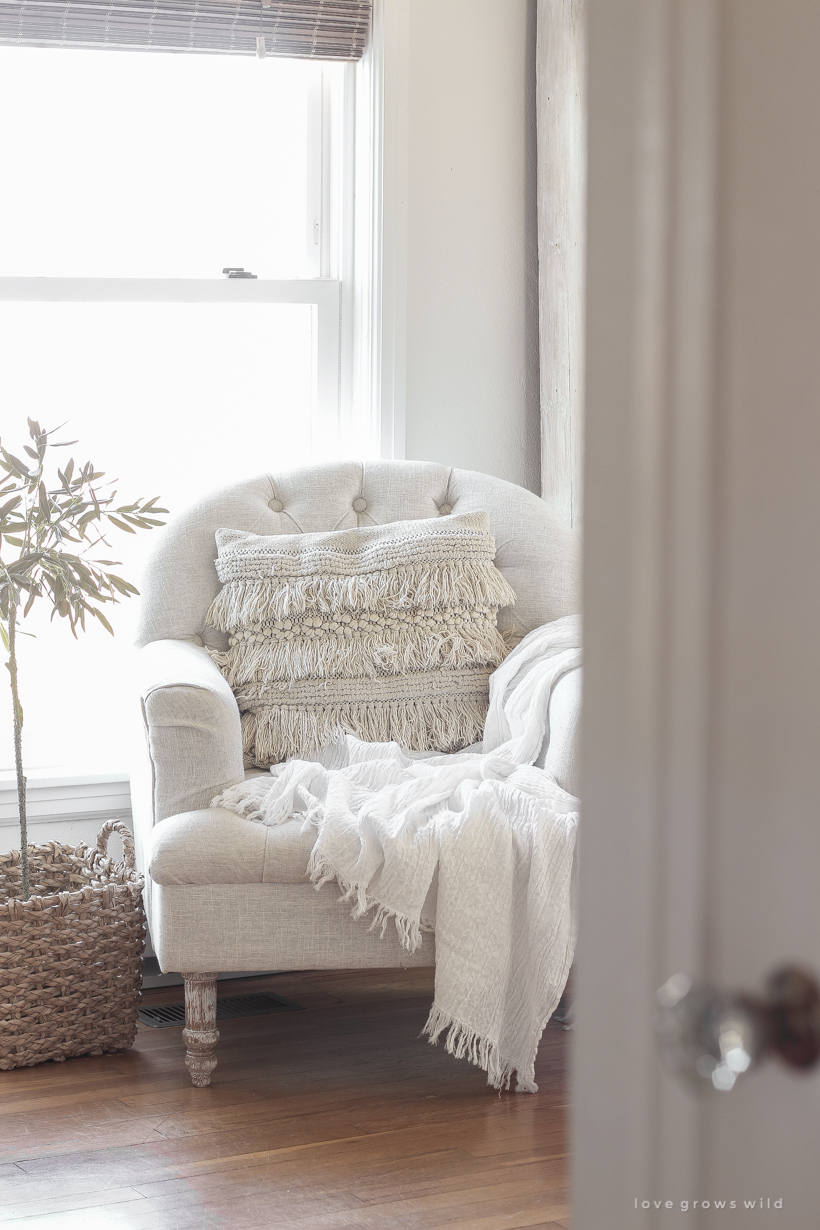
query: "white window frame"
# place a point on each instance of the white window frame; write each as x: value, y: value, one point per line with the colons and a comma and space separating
x: 321, y: 290
x: 358, y: 194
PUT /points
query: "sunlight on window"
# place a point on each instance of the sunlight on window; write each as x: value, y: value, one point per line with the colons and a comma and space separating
x: 172, y: 400
x: 123, y: 164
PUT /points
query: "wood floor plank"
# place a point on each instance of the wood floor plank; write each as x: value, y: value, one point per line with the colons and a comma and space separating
x: 336, y: 1118
x: 456, y: 1179
x: 518, y: 1214
x: 43, y: 1205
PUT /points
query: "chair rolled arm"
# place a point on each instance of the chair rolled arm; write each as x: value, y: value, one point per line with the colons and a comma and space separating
x: 192, y: 727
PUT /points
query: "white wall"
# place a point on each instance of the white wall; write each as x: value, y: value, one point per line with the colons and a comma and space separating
x: 472, y: 269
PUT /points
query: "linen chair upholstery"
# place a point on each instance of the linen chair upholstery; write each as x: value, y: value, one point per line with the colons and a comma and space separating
x: 225, y: 893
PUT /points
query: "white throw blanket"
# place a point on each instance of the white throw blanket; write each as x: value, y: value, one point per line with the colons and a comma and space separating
x: 497, y: 832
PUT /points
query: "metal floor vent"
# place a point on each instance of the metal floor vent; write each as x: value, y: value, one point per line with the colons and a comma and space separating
x: 228, y: 1009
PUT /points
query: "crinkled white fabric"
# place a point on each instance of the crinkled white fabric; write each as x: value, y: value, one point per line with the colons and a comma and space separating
x: 496, y: 832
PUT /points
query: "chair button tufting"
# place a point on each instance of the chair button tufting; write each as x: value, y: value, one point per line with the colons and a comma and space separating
x: 444, y: 509
x: 275, y: 505
x: 359, y: 504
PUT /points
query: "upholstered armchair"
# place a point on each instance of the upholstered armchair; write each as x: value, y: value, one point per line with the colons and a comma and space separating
x: 225, y: 893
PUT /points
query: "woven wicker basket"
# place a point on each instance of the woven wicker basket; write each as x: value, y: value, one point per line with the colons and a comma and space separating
x: 70, y: 956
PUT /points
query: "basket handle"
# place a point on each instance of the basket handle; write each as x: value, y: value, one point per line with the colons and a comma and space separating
x: 128, y: 852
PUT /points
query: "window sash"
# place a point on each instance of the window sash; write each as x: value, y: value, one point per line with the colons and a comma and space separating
x: 323, y: 293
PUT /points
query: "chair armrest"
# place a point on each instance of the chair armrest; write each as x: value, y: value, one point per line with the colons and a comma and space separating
x: 191, y: 724
x: 561, y: 758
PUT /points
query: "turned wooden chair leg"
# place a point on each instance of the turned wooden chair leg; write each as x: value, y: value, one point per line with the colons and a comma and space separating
x: 200, y: 1033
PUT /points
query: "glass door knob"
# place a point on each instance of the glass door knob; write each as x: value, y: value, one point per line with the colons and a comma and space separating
x: 712, y: 1037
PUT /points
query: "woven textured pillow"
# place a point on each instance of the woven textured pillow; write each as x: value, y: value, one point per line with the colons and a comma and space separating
x: 387, y: 632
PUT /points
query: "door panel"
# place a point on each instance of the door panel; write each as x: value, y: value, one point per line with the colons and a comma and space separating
x: 700, y: 844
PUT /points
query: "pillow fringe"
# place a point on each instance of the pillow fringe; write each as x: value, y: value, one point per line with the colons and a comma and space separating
x: 365, y: 655
x: 445, y: 724
x: 458, y: 583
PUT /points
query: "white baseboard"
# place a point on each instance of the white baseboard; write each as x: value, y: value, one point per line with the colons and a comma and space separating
x: 69, y: 808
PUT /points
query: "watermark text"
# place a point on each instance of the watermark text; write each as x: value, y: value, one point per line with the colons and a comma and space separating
x: 686, y: 1206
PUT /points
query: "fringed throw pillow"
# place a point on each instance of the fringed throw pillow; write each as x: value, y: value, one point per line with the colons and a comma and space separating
x: 387, y: 632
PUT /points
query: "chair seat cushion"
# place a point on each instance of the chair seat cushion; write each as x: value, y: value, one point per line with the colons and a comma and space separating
x: 215, y: 846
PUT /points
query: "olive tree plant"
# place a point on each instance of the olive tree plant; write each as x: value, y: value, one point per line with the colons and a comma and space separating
x: 48, y: 527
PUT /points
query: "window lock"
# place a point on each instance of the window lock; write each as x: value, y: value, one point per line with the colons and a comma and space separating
x: 234, y: 272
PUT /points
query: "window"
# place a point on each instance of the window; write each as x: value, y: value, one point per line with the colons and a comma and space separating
x: 131, y: 181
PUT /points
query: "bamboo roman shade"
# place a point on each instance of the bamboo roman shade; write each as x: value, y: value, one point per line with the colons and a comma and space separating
x: 305, y: 29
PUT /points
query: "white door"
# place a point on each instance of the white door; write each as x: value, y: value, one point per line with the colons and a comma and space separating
x: 701, y: 784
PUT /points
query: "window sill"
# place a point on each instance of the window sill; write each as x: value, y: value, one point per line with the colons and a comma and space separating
x: 52, y: 795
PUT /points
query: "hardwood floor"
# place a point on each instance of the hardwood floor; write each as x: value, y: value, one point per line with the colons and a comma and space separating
x: 336, y: 1118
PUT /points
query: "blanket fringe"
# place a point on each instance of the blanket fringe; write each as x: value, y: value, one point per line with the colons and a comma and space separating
x: 321, y: 871
x: 465, y: 1043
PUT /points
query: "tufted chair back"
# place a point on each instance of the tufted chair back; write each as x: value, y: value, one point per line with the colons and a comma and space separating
x: 536, y: 551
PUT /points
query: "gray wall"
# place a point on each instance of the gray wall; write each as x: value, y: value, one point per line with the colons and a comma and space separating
x: 472, y: 269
